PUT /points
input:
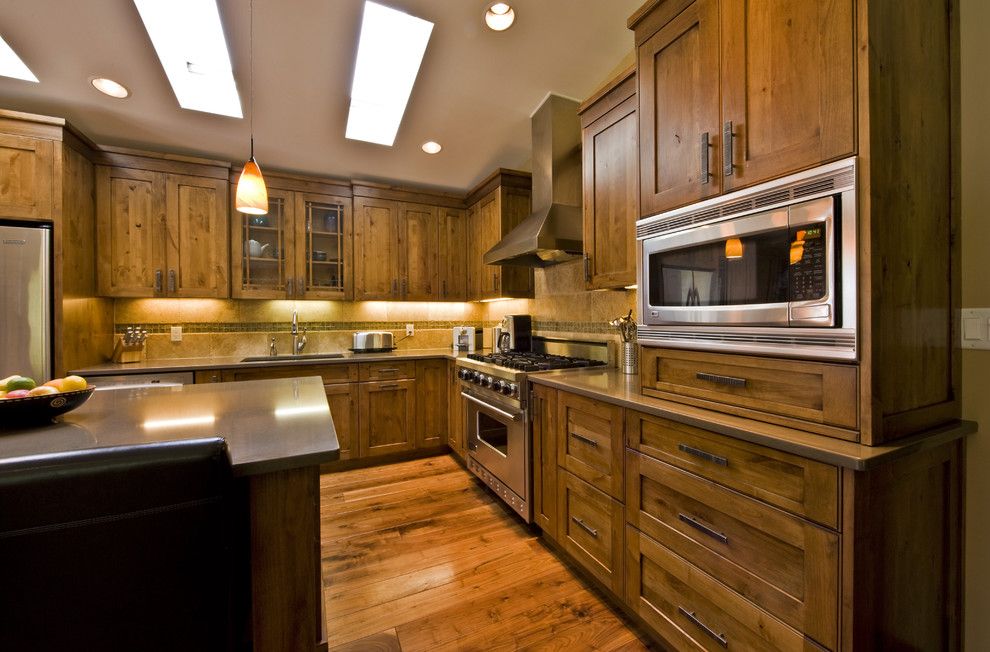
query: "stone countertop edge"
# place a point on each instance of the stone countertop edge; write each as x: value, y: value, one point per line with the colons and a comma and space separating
x: 173, y: 365
x: 612, y: 386
x: 269, y: 425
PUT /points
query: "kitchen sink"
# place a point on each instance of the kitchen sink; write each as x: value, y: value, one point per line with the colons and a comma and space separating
x: 283, y: 358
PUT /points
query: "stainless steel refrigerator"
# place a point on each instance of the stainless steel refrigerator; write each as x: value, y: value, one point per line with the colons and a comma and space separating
x: 26, y: 300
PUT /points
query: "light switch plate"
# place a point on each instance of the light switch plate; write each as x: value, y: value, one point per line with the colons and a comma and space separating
x: 975, y: 328
x: 177, y: 333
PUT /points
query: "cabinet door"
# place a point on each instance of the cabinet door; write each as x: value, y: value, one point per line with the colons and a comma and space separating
x: 130, y: 224
x: 474, y: 264
x: 388, y: 417
x: 431, y: 403
x: 787, y: 85
x: 455, y: 424
x: 323, y: 249
x: 264, y: 273
x: 196, y: 237
x: 543, y: 407
x: 489, y: 233
x: 679, y: 106
x: 26, y: 169
x: 343, y: 401
x: 418, y: 244
x: 454, y: 249
x: 589, y: 441
x: 611, y: 167
x: 376, y: 254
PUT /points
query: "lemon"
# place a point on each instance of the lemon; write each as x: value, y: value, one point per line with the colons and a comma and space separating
x: 20, y: 382
x: 73, y: 383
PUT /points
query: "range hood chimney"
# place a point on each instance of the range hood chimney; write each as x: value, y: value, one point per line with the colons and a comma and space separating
x: 553, y: 232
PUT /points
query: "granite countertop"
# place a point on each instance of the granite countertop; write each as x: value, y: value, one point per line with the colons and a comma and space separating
x: 269, y: 425
x: 199, y: 364
x: 612, y: 386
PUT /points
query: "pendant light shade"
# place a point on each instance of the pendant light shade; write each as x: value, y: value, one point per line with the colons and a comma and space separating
x: 252, y: 195
x: 733, y: 249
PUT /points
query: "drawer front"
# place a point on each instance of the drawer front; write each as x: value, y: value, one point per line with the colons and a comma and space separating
x: 784, y: 564
x: 591, y: 529
x: 805, y: 487
x: 814, y: 392
x: 331, y: 374
x: 693, y: 611
x: 589, y: 441
x: 387, y: 370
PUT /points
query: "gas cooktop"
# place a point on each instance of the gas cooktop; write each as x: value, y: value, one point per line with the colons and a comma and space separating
x: 528, y: 361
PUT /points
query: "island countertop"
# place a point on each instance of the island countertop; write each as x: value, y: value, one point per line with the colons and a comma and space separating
x: 269, y: 425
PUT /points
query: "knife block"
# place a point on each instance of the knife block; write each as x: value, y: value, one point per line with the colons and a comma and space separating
x: 127, y: 352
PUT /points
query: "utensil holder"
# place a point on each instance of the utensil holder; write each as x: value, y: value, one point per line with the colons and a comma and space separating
x: 127, y: 352
x: 629, y: 358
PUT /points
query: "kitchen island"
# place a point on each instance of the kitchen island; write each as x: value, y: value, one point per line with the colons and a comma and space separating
x: 278, y: 432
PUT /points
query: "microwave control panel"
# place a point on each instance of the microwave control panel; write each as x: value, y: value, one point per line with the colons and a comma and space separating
x: 808, y: 263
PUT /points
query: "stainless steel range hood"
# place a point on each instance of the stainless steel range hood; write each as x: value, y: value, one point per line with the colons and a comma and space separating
x: 553, y: 232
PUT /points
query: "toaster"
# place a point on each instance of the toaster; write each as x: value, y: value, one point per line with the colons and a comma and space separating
x: 372, y: 341
x: 468, y: 338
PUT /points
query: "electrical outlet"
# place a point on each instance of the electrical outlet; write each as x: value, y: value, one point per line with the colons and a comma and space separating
x: 410, y: 330
x: 177, y: 333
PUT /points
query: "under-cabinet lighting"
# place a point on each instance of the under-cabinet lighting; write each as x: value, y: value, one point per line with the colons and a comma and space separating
x: 180, y: 422
x: 390, y: 51
x: 494, y: 300
x: 631, y: 287
x: 11, y: 65
x: 300, y: 411
x: 189, y: 40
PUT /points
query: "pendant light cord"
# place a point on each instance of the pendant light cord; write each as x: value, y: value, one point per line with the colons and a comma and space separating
x: 251, y: 55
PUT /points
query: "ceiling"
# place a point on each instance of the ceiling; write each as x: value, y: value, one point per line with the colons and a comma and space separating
x: 474, y: 95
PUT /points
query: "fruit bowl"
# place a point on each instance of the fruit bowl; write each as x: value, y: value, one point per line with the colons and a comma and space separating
x: 41, y: 409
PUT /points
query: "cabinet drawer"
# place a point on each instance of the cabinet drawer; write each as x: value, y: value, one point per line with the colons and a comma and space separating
x: 781, y: 562
x: 799, y: 485
x: 387, y: 370
x: 691, y: 610
x: 591, y: 529
x: 759, y: 388
x: 331, y: 374
x: 589, y: 441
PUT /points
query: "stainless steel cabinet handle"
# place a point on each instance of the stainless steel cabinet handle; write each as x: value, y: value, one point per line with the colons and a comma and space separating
x: 301, y: 286
x: 727, y: 149
x: 495, y: 281
x: 171, y: 281
x: 731, y: 381
x: 584, y: 526
x: 724, y: 642
x: 395, y: 287
x: 587, y: 440
x: 708, y: 457
x: 158, y: 281
x: 288, y: 288
x: 705, y: 147
x: 389, y: 386
x: 587, y: 268
x: 388, y: 370
x: 444, y: 291
x: 704, y: 529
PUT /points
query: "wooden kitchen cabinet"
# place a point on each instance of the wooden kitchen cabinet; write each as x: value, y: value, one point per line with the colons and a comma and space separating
x: 736, y: 92
x: 431, y: 403
x: 376, y: 249
x: 130, y: 239
x: 610, y: 150
x: 344, y: 402
x: 26, y: 169
x: 196, y: 237
x: 543, y: 407
x: 419, y: 249
x: 590, y: 441
x: 387, y: 418
x: 454, y: 243
x: 456, y: 430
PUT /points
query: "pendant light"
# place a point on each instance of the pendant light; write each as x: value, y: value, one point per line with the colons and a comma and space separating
x: 733, y: 249
x: 252, y: 195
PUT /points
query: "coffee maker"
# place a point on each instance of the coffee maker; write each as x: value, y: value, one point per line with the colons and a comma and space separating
x: 514, y: 334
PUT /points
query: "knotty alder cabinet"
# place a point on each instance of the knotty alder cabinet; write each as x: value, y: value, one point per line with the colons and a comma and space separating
x: 161, y: 226
x: 495, y: 207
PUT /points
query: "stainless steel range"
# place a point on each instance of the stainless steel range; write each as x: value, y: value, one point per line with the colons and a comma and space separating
x: 495, y: 392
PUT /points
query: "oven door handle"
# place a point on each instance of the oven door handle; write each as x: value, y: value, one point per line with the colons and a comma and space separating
x: 488, y: 406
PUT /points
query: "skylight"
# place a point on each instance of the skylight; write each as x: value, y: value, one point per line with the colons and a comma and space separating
x: 189, y: 40
x: 11, y: 64
x: 390, y: 51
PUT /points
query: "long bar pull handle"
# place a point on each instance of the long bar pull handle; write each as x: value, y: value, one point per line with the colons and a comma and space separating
x: 720, y: 638
x: 444, y: 291
x: 288, y: 288
x: 171, y: 281
x: 495, y: 281
x: 708, y: 457
x: 704, y: 529
x: 389, y: 386
x: 584, y: 526
x: 706, y: 146
x: 388, y: 370
x: 395, y: 287
x: 480, y: 403
x: 727, y: 149
x: 731, y: 381
x: 587, y: 268
x: 158, y: 281
x: 587, y: 440
x: 300, y: 286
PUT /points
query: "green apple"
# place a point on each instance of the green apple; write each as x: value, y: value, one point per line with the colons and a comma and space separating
x: 20, y: 382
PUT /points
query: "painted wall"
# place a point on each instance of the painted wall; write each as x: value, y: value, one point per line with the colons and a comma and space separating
x: 975, y: 91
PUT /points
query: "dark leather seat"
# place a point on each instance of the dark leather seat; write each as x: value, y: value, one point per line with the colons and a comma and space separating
x: 130, y: 548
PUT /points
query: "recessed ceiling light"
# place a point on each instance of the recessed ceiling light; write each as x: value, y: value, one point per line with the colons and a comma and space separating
x: 499, y: 16
x: 11, y: 64
x: 189, y: 40
x: 390, y: 51
x: 431, y: 147
x: 109, y: 87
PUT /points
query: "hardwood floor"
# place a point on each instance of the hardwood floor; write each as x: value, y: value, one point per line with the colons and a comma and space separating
x: 419, y: 556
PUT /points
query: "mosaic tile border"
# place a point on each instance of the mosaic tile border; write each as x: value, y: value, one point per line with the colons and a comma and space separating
x: 599, y: 328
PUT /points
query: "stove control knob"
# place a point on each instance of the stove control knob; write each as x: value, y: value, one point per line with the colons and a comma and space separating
x: 498, y: 385
x: 464, y: 374
x: 474, y: 376
x: 486, y: 381
x: 508, y: 389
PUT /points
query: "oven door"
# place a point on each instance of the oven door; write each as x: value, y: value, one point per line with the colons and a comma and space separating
x: 498, y: 439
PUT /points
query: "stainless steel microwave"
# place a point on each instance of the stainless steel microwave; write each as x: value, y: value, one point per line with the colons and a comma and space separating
x: 768, y: 269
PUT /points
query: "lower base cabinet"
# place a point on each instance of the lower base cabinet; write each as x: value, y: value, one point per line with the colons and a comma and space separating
x: 343, y: 400
x: 590, y: 529
x: 456, y: 428
x: 387, y: 418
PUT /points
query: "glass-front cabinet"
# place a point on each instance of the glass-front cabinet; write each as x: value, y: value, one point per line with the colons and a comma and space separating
x: 300, y: 250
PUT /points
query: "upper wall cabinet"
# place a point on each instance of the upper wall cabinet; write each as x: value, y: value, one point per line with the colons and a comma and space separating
x: 736, y: 92
x: 26, y: 171
x: 453, y: 254
x: 609, y: 142
x: 161, y: 226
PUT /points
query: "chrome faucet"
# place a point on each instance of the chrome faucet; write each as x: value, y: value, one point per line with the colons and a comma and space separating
x: 298, y: 343
x: 272, y: 349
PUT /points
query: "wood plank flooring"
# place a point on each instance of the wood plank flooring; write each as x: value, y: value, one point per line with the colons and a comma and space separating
x: 419, y: 556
